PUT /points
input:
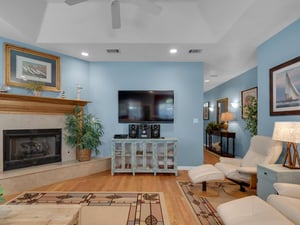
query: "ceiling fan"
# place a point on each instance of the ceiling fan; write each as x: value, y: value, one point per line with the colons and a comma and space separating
x: 116, y: 9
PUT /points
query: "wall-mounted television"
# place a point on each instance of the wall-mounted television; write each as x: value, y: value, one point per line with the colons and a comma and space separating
x: 139, y: 106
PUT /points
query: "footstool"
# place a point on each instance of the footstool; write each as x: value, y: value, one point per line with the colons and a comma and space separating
x: 204, y: 173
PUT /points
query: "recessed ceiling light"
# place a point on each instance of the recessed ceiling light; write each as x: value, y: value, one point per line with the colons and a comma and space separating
x: 84, y: 54
x: 206, y: 80
x: 173, y: 50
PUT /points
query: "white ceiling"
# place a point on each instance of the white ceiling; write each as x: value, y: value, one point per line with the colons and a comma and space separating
x: 227, y: 32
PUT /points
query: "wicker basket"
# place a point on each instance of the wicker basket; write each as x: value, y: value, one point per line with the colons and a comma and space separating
x: 83, y: 155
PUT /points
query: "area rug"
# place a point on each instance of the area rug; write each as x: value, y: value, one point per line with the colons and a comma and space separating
x: 204, y: 204
x: 143, y: 208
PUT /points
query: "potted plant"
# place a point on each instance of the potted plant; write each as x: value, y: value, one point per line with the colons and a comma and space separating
x: 1, y: 195
x: 251, y: 115
x: 35, y: 87
x: 213, y: 126
x: 84, y: 132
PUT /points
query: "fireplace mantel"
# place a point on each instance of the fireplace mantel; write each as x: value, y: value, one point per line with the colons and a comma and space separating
x: 27, y: 104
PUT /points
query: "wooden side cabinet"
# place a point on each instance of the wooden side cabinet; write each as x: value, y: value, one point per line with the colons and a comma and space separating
x: 269, y: 174
x: 227, y: 142
x: 144, y: 156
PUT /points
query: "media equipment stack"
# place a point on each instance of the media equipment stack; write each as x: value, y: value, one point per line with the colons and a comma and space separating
x: 133, y: 131
x: 155, y: 131
x: 144, y: 131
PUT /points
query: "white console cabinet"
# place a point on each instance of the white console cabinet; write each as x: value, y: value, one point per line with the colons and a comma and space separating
x: 269, y: 174
x: 144, y: 156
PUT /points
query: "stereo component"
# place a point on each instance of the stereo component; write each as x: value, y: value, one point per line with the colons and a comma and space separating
x: 144, y: 131
x: 155, y: 131
x: 133, y: 131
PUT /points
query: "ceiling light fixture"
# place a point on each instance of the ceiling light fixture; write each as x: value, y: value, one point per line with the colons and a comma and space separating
x: 173, y: 50
x: 84, y: 54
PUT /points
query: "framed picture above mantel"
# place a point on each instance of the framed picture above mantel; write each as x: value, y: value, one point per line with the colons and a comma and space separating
x: 285, y: 88
x: 24, y: 66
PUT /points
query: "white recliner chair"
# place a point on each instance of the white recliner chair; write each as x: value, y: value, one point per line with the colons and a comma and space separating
x: 281, y: 209
x: 262, y: 150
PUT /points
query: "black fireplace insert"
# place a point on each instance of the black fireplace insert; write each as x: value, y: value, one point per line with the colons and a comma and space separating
x: 30, y: 147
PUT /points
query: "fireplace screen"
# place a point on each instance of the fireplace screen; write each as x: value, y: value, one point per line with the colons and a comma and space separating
x: 24, y: 148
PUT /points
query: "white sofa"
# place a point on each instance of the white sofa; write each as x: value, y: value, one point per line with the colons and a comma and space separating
x: 281, y: 209
x: 262, y: 150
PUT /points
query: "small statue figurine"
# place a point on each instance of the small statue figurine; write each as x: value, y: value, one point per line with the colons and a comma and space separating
x: 62, y: 94
x: 78, y: 91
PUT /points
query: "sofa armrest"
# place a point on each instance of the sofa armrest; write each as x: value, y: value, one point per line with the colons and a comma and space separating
x: 234, y: 161
x: 289, y: 190
x: 247, y: 169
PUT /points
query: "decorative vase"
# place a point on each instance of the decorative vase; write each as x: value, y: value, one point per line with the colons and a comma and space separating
x: 83, y: 155
x: 36, y: 93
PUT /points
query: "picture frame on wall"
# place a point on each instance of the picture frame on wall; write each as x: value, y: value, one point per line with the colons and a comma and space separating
x: 245, y: 98
x: 24, y: 66
x: 206, y: 111
x: 285, y: 88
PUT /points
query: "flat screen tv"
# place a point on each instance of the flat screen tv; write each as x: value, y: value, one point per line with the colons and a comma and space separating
x: 146, y: 106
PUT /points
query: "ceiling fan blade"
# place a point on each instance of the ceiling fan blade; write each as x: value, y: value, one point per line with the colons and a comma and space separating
x: 74, y: 2
x: 115, y: 14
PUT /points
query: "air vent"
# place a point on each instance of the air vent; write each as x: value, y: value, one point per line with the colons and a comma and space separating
x: 195, y: 51
x: 113, y: 50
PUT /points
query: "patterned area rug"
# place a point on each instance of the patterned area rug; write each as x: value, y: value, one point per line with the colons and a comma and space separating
x: 203, y: 204
x: 144, y: 208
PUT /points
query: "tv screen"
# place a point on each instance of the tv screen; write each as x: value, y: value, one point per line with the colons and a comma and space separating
x: 146, y: 106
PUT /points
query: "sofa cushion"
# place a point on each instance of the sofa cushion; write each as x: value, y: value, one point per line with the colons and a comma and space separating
x: 250, y: 210
x: 289, y: 190
x: 262, y: 150
x: 289, y: 207
x: 231, y: 172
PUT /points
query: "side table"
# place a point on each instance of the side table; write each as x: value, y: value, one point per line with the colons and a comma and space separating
x: 268, y: 174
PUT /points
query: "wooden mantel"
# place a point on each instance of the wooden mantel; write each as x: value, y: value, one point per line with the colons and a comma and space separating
x: 13, y: 103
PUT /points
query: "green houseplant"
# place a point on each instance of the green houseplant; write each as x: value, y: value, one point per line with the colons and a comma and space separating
x: 35, y: 86
x: 251, y: 115
x: 213, y: 126
x: 84, y: 132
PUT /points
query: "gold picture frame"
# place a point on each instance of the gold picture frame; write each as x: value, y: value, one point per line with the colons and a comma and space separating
x: 206, y: 111
x: 24, y: 66
x: 245, y: 96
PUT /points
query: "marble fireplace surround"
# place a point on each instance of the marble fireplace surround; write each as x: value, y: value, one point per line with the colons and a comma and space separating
x: 31, y: 112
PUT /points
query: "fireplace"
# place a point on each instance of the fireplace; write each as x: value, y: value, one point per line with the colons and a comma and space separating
x: 30, y: 147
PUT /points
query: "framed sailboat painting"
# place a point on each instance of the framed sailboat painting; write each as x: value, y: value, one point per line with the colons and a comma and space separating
x: 285, y: 88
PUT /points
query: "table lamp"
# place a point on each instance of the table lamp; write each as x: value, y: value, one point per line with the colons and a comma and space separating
x: 226, y: 116
x: 289, y: 132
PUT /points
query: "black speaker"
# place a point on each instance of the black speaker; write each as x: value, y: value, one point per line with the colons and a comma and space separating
x: 155, y: 131
x: 133, y: 130
x: 144, y: 131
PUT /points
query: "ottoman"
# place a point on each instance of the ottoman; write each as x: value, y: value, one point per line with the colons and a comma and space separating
x: 204, y: 173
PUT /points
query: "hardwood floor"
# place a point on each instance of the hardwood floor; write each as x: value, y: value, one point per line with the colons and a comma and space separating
x: 178, y: 209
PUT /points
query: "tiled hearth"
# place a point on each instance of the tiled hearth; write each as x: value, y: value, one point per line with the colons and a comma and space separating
x: 18, y: 180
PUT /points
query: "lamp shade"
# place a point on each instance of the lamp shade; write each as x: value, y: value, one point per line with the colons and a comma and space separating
x: 287, y: 132
x: 226, y: 116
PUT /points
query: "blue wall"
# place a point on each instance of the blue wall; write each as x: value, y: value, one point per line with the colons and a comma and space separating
x: 73, y: 71
x: 102, y: 80
x: 232, y: 90
x: 282, y: 47
x: 185, y: 79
